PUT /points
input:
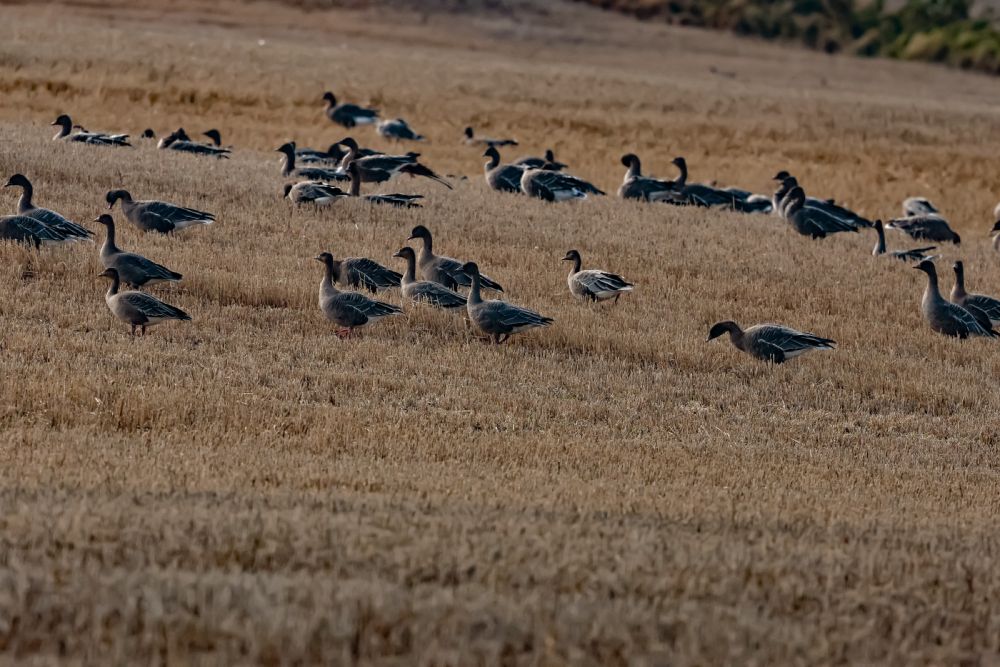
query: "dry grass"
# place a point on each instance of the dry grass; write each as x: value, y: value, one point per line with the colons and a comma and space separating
x: 246, y: 487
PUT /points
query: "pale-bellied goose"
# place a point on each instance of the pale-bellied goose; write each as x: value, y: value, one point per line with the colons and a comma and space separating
x: 914, y: 255
x: 554, y: 186
x: 944, y: 317
x: 828, y: 206
x: 157, y: 216
x: 986, y: 309
x: 393, y: 199
x: 313, y: 192
x: 179, y: 141
x: 288, y: 167
x: 380, y: 168
x: 397, y: 129
x: 348, y: 115
x: 810, y: 221
x: 771, y: 342
x: 138, y: 308
x: 645, y: 188
x: 22, y: 229
x: 443, y: 270
x: 348, y: 310
x: 548, y: 162
x: 473, y: 140
x: 931, y: 227
x: 65, y: 124
x: 502, y: 177
x: 364, y: 273
x: 594, y: 284
x: 424, y: 290
x: 499, y: 319
x: 67, y: 228
x: 133, y: 270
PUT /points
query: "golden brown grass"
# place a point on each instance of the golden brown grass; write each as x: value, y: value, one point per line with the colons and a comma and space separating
x: 245, y: 487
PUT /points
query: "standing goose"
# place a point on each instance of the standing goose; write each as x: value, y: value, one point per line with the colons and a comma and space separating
x: 348, y: 310
x: 554, y: 186
x: 931, y: 227
x: 986, y: 309
x: 380, y: 168
x: 364, y: 273
x: 809, y: 221
x: 771, y: 342
x: 22, y: 229
x: 548, y: 162
x: 499, y: 319
x: 394, y: 199
x: 472, y: 140
x: 138, y: 308
x: 288, y: 167
x: 424, y: 290
x: 348, y: 115
x: 180, y: 141
x: 157, y: 216
x: 502, y: 177
x: 133, y: 270
x: 594, y: 284
x: 914, y: 255
x: 65, y: 124
x: 313, y: 192
x: 444, y: 270
x: 397, y: 129
x: 644, y: 188
x: 25, y: 206
x: 944, y: 317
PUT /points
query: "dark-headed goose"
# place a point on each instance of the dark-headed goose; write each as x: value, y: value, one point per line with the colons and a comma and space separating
x: 66, y: 133
x: 828, y: 206
x: 771, y: 342
x: 288, y: 167
x: 348, y: 115
x: 593, y: 284
x: 472, y: 140
x: 138, y: 308
x: 178, y: 140
x: 25, y: 206
x: 424, y: 290
x: 548, y: 162
x: 397, y: 129
x: 944, y: 317
x: 986, y: 309
x: 313, y: 192
x: 502, y: 177
x: 22, y: 229
x: 645, y: 188
x: 499, y: 319
x: 443, y: 270
x: 931, y: 227
x: 133, y: 270
x: 554, y: 186
x: 380, y: 168
x: 348, y: 310
x: 914, y: 255
x: 393, y: 199
x: 810, y: 221
x: 157, y: 216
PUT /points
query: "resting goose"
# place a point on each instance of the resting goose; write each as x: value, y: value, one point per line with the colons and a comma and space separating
x: 770, y: 342
x: 984, y: 308
x: 313, y: 192
x: 96, y: 138
x: 931, y: 227
x: 22, y: 229
x: 548, y: 162
x: 443, y: 270
x: 554, y: 186
x: 828, y: 206
x: 594, y: 284
x: 138, y: 308
x: 472, y: 140
x: 180, y: 141
x: 394, y: 199
x: 914, y: 255
x: 433, y: 293
x: 944, y: 317
x: 348, y: 310
x: 66, y: 228
x: 133, y: 270
x: 157, y: 216
x: 397, y: 129
x: 498, y: 319
x: 288, y: 167
x: 348, y: 115
x: 502, y: 177
x: 810, y: 221
x: 644, y: 188
x: 380, y: 168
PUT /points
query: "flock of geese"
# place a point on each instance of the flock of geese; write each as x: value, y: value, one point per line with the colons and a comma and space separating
x: 438, y: 279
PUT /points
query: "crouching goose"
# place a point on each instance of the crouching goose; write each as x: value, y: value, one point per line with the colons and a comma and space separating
x: 22, y: 229
x: 947, y: 318
x: 554, y: 186
x: 811, y: 222
x: 984, y: 308
x: 593, y: 284
x: 138, y: 308
x: 361, y: 272
x: 931, y: 227
x: 25, y: 206
x: 348, y: 310
x: 828, y: 206
x: 914, y: 255
x: 348, y: 115
x: 771, y: 342
x: 179, y: 140
x: 498, y: 319
x: 444, y: 270
x: 133, y: 270
x: 472, y: 140
x: 548, y: 162
x: 645, y: 188
x: 65, y: 124
x: 312, y: 173
x: 433, y: 293
x: 394, y: 199
x: 313, y: 192
x: 380, y: 168
x: 157, y: 216
x: 397, y: 129
x: 502, y: 177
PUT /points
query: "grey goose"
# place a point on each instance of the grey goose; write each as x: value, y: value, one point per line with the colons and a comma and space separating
x: 699, y: 194
x: 25, y: 206
x: 66, y: 133
x: 498, y: 319
x: 312, y: 173
x: 157, y: 216
x: 380, y: 168
x: 502, y: 177
x: 444, y: 270
x: 770, y: 342
x: 313, y: 192
x: 912, y: 255
x: 134, y: 270
x: 398, y: 130
x: 811, y: 222
x: 387, y: 199
x: 22, y: 229
x: 986, y: 309
x: 138, y: 308
x: 554, y: 186
x: 944, y: 317
x: 548, y: 162
x: 361, y: 272
x: 178, y: 140
x: 348, y: 115
x: 931, y: 227
x: 828, y: 206
x: 473, y: 140
x: 348, y: 310
x: 594, y: 284
x: 427, y: 291
x: 644, y: 188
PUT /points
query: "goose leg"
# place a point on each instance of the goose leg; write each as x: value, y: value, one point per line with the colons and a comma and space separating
x: 142, y: 330
x: 133, y: 331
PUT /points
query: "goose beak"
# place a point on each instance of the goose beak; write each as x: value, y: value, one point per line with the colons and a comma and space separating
x: 397, y: 254
x: 318, y: 258
x: 97, y: 219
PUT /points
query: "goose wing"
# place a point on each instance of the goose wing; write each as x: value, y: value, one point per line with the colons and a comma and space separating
x: 369, y: 307
x: 23, y: 228
x: 789, y: 341
x: 600, y: 282
x: 199, y: 149
x: 129, y: 263
x: 510, y: 318
x: 985, y: 304
x: 508, y: 178
x: 417, y: 169
x: 913, y: 255
x: 371, y: 275
x: 437, y: 294
x: 400, y: 201
x: 171, y: 216
x: 817, y: 220
x: 968, y: 321
x: 64, y: 226
x: 931, y: 227
x: 151, y: 307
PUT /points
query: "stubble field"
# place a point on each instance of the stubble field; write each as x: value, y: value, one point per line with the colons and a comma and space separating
x: 246, y: 487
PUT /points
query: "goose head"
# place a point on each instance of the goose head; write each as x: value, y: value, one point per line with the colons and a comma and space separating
x: 64, y: 121
x: 492, y: 153
x: 719, y: 328
x: 471, y: 269
x: 349, y: 142
x: 148, y: 133
x: 550, y: 156
x: 959, y: 269
x: 330, y: 98
x: 469, y: 133
x: 114, y: 195
x: 324, y: 258
x: 996, y: 227
x: 927, y: 266
x: 214, y: 135
x: 679, y: 162
x: 419, y: 232
x: 572, y: 256
x: 406, y: 252
x: 17, y: 181
x: 105, y: 219
x: 627, y: 160
x: 110, y: 274
x: 288, y: 148
x: 781, y: 176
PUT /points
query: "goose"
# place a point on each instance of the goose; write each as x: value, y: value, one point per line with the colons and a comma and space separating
x: 472, y: 140
x: 644, y: 188
x: 502, y: 177
x: 65, y: 124
x: 380, y: 168
x: 913, y: 255
x: 986, y: 309
x: 444, y: 270
x: 288, y: 167
x: 22, y: 229
x: 594, y: 284
x: 770, y: 342
x: 25, y: 206
x: 931, y: 227
x: 180, y: 141
x: 810, y: 221
x: 498, y: 319
x: 944, y: 317
x: 395, y: 199
x: 348, y: 310
x: 157, y: 216
x: 133, y: 270
x: 313, y: 192
x: 348, y: 115
x: 828, y: 206
x: 138, y: 308
x: 698, y: 194
x: 433, y: 293
x: 397, y: 129
x: 554, y: 186
x: 548, y: 162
